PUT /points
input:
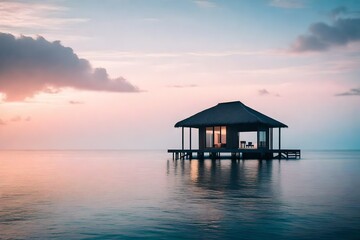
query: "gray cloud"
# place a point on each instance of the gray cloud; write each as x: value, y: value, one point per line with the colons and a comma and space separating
x: 29, y: 66
x: 337, y: 12
x: 2, y: 122
x: 263, y: 92
x: 351, y: 92
x: 323, y: 36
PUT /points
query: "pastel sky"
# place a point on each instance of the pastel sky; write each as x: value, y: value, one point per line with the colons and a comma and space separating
x: 118, y: 74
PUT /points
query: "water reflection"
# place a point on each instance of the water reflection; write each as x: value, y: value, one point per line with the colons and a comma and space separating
x: 225, y: 194
x: 247, y: 177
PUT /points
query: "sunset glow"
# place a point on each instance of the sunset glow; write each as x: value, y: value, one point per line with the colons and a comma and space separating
x: 120, y: 74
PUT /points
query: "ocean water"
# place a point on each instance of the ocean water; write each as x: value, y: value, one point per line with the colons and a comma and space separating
x: 145, y: 194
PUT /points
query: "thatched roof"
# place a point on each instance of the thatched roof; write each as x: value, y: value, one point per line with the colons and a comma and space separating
x: 229, y: 113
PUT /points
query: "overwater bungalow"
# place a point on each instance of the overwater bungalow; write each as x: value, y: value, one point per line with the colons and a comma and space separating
x: 220, y: 130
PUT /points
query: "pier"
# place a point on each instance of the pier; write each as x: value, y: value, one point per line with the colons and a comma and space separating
x: 181, y: 154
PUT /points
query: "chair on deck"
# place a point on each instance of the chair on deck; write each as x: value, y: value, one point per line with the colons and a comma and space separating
x: 250, y: 145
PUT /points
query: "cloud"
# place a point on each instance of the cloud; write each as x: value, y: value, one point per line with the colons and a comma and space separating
x: 337, y: 12
x: 51, y: 90
x: 16, y: 119
x: 29, y: 66
x: 287, y: 3
x: 205, y: 3
x: 74, y: 102
x: 183, y: 86
x: 116, y: 56
x: 351, y: 92
x: 323, y: 36
x: 27, y: 15
x: 263, y: 92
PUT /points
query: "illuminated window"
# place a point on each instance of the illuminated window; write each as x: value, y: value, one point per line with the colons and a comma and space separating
x: 216, y: 136
x: 223, y: 134
x: 209, y: 137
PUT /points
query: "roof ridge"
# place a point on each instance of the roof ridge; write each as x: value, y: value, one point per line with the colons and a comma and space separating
x: 262, y: 115
x: 229, y: 102
x: 246, y: 109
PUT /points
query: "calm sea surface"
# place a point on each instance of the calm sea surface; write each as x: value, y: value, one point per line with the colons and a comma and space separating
x: 145, y: 194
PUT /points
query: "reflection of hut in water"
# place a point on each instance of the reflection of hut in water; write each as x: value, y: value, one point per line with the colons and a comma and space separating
x: 232, y: 192
x: 226, y: 175
x: 221, y: 129
x: 251, y: 178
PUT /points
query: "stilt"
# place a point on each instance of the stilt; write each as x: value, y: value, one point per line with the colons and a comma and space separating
x: 236, y: 154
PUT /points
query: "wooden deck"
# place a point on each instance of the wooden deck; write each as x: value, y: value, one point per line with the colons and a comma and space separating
x: 243, y: 153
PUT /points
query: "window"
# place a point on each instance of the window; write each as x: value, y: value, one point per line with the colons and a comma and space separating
x: 209, y: 137
x: 223, y: 134
x: 262, y: 138
x: 216, y: 136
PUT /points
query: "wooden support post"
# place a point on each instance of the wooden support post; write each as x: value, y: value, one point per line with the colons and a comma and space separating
x: 279, y: 144
x: 279, y: 138
x: 190, y: 138
x: 182, y: 138
x: 267, y: 138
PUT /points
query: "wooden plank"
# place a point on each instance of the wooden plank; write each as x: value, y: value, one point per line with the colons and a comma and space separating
x: 282, y: 154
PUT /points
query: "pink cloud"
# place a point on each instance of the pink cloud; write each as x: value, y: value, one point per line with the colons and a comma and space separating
x: 16, y: 119
x: 29, y: 66
x: 74, y: 102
